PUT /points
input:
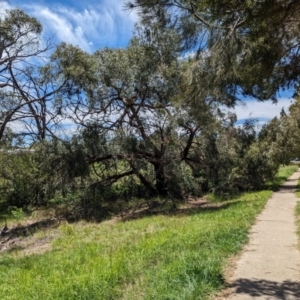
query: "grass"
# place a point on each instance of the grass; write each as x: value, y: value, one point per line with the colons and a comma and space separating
x: 174, y: 256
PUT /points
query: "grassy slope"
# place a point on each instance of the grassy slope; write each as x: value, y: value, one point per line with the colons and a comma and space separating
x: 160, y: 257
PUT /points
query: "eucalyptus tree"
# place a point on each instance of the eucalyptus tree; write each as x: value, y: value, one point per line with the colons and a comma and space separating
x: 131, y: 114
x: 29, y: 81
x: 242, y: 47
x: 281, y: 134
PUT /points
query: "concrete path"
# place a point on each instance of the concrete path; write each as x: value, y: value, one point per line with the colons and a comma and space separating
x: 269, y: 267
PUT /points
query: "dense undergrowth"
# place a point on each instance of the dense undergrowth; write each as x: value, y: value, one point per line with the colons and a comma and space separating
x: 178, y: 255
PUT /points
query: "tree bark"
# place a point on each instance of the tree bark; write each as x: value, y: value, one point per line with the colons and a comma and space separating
x: 160, y: 180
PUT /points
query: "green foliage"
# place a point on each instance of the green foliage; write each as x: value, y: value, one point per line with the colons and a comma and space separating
x: 17, y: 23
x: 34, y: 177
x: 230, y: 160
x: 19, y: 42
x: 17, y: 213
x: 149, y: 122
x: 21, y: 181
x: 133, y: 129
x: 241, y: 47
x: 281, y: 135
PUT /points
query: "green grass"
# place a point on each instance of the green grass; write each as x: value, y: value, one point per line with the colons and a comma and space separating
x: 175, y: 256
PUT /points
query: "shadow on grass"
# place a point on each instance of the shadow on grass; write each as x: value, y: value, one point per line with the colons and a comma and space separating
x: 30, y: 229
x: 204, y: 207
x: 13, y: 239
x: 216, y: 204
x: 276, y: 290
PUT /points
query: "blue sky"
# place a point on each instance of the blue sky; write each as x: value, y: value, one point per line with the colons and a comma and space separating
x: 94, y: 24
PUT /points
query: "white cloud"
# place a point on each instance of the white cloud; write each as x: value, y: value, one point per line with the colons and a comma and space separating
x: 60, y: 25
x: 263, y: 111
x: 96, y: 26
x: 3, y: 6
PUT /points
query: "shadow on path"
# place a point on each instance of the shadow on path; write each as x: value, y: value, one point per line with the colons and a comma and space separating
x: 287, y: 189
x: 277, y: 290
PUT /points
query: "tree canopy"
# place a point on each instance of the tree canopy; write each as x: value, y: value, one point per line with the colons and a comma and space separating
x: 248, y: 48
x: 148, y: 120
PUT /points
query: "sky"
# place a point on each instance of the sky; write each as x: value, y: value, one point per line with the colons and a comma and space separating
x: 95, y: 24
x: 90, y: 24
x: 262, y: 111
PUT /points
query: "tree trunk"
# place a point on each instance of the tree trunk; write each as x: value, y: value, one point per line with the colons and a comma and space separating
x: 160, y: 180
